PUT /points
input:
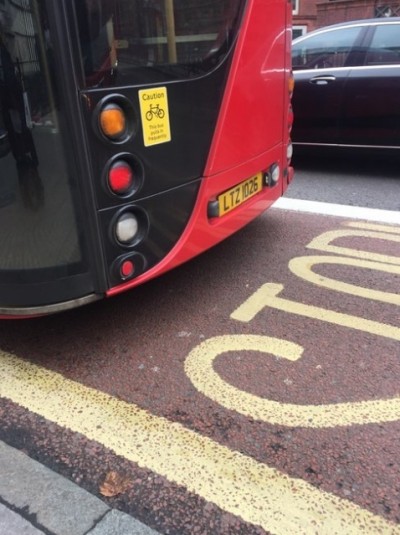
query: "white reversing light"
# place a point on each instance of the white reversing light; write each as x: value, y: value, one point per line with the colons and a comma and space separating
x: 126, y: 228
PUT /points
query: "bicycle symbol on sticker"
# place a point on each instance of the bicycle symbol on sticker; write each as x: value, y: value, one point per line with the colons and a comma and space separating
x: 155, y: 111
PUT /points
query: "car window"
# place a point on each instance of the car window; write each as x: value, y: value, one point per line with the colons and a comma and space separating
x: 325, y: 50
x: 385, y: 46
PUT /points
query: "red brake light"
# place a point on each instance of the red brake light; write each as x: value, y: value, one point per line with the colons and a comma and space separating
x: 127, y: 269
x: 120, y: 177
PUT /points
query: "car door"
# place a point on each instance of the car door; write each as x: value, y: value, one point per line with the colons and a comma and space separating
x: 320, y: 72
x: 371, y: 106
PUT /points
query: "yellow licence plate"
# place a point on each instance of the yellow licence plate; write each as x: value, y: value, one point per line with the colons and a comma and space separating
x: 232, y: 198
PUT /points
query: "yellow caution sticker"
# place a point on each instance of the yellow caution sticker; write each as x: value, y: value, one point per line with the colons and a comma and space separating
x: 155, y: 116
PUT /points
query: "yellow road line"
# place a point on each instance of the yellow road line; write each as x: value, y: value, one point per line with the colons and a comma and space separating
x: 259, y: 494
x: 323, y: 243
x: 199, y: 367
x: 267, y: 297
x: 302, y: 267
x: 373, y: 226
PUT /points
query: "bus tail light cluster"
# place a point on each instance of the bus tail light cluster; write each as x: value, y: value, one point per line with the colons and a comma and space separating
x: 115, y: 123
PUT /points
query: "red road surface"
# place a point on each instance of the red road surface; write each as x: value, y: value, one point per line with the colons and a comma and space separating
x: 134, y: 348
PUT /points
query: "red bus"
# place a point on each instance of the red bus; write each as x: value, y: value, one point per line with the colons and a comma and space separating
x: 134, y: 134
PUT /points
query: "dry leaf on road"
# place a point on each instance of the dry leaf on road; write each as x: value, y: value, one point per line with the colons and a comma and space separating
x: 114, y: 484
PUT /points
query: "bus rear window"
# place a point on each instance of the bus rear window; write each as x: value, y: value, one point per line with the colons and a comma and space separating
x: 121, y: 40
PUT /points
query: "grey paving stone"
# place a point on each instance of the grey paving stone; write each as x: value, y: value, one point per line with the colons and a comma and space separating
x: 13, y: 524
x: 117, y: 523
x: 60, y: 506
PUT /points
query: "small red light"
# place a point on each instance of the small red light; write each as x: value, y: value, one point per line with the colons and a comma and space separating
x: 127, y: 269
x: 120, y: 177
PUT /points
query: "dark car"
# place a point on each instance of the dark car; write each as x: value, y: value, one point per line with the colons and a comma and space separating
x: 347, y: 85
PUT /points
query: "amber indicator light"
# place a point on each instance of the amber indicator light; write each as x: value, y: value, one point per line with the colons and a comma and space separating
x: 112, y: 121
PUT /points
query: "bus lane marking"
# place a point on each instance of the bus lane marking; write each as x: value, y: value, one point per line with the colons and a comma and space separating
x: 199, y: 368
x: 267, y: 296
x: 201, y: 359
x: 323, y: 243
x: 373, y: 226
x: 302, y: 267
x: 259, y: 494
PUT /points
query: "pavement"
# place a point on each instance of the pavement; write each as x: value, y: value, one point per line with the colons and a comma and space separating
x: 34, y: 500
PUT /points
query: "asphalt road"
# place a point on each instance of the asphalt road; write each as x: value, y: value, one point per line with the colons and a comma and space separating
x: 253, y: 390
x: 370, y: 180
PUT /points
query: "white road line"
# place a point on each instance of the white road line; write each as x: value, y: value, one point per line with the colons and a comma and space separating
x: 339, y: 210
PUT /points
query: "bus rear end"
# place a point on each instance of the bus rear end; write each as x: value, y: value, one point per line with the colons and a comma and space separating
x: 133, y: 136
